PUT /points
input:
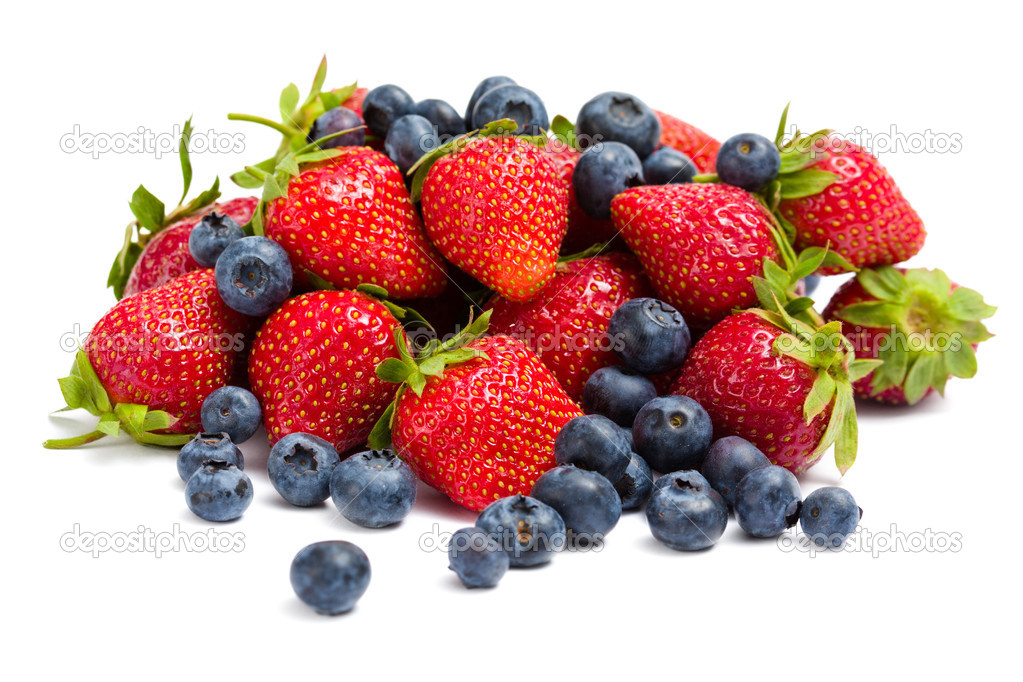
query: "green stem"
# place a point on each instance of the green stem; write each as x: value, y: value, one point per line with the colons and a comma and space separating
x: 279, y: 127
x: 68, y: 443
x: 168, y: 440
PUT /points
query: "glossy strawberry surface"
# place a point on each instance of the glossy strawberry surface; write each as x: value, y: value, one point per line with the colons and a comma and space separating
x: 690, y: 140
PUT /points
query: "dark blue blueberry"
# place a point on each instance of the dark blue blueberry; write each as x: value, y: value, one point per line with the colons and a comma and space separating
x: 373, y: 489
x: 668, y: 166
x: 672, y: 432
x: 619, y: 117
x: 334, y: 121
x: 593, y: 442
x: 485, y: 86
x: 384, y: 105
x: 477, y: 558
x: 767, y: 501
x: 685, y: 513
x: 810, y: 283
x: 300, y: 466
x: 408, y: 139
x: 602, y: 172
x: 586, y: 501
x: 829, y: 516
x: 443, y: 116
x: 218, y: 491
x: 234, y: 411
x: 206, y: 446
x: 330, y: 576
x: 514, y: 102
x: 618, y: 393
x: 727, y: 461
x: 635, y: 484
x: 649, y: 335
x: 253, y: 276
x: 211, y: 236
x: 749, y: 161
x: 526, y: 528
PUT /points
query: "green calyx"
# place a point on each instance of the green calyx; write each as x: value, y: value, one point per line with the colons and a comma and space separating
x: 777, y: 289
x: 82, y: 390
x: 564, y: 132
x: 931, y: 328
x: 151, y: 216
x: 413, y: 370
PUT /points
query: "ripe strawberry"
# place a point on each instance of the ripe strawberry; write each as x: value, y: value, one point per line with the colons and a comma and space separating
x: 690, y: 140
x: 936, y: 326
x: 349, y: 221
x: 566, y: 322
x: 778, y: 383
x: 149, y: 363
x: 166, y: 256
x: 480, y: 421
x: 497, y: 209
x: 312, y: 364
x: 354, y: 101
x: 583, y: 230
x: 700, y: 244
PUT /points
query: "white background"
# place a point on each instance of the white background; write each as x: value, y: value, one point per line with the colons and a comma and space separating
x: 635, y: 609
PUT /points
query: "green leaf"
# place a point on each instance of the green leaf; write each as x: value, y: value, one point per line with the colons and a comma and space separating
x: 288, y: 165
x: 805, y: 183
x: 318, y: 282
x: 330, y: 100
x: 417, y: 382
x: 798, y: 305
x: 480, y: 325
x: 120, y: 269
x: 76, y: 441
x: 109, y: 425
x: 373, y: 290
x: 919, y: 378
x: 202, y: 201
x: 564, y: 130
x: 186, y: 164
x: 93, y: 387
x: 433, y: 366
x: 380, y: 436
x: 873, y: 314
x: 318, y: 80
x: 935, y: 281
x: 157, y: 420
x: 847, y: 437
x: 862, y: 367
x: 808, y: 262
x: 132, y: 416
x: 147, y: 209
x: 779, y: 137
x: 821, y: 394
x: 273, y: 188
x: 73, y: 389
x: 393, y: 370
x: 288, y: 103
x: 961, y: 362
x: 967, y: 304
x: 776, y: 276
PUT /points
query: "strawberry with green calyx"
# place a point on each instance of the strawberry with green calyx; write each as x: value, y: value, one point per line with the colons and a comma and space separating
x: 779, y: 285
x: 920, y: 325
x: 475, y: 416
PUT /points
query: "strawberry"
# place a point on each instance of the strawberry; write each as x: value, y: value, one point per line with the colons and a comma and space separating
x: 481, y: 417
x: 496, y: 208
x: 690, y: 140
x: 583, y: 230
x: 936, y: 326
x: 566, y: 322
x: 149, y: 363
x: 312, y: 366
x: 354, y: 101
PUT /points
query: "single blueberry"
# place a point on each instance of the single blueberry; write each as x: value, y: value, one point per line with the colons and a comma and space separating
x: 334, y: 121
x: 672, y: 433
x: 515, y: 102
x: 602, y: 172
x: 593, y: 442
x: 618, y: 393
x: 749, y: 161
x: 767, y: 501
x: 211, y: 235
x: 218, y: 491
x: 728, y: 460
x: 330, y: 576
x: 384, y: 105
x: 485, y: 86
x: 373, y: 489
x: 207, y: 446
x: 649, y: 335
x: 526, y: 528
x: 685, y: 513
x: 254, y: 276
x: 668, y: 166
x: 635, y: 484
x: 446, y: 121
x: 586, y: 501
x: 300, y: 466
x: 477, y: 558
x: 234, y: 411
x: 619, y: 117
x: 829, y: 515
x: 408, y: 139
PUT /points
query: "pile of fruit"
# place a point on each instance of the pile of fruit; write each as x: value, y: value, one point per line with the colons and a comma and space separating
x: 529, y: 315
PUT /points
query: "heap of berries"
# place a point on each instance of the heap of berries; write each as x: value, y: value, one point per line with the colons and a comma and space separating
x: 600, y: 302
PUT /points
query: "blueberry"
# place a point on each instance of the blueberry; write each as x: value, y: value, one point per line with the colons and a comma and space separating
x: 373, y: 489
x: 234, y: 411
x: 585, y: 500
x: 619, y: 117
x: 749, y: 161
x: 207, y: 446
x: 330, y: 576
x: 602, y: 172
x: 727, y: 461
x: 593, y: 442
x: 485, y: 86
x: 477, y: 558
x: 685, y: 513
x: 514, y: 102
x: 767, y: 501
x: 383, y: 106
x: 618, y: 393
x: 334, y: 121
x: 446, y: 121
x: 211, y: 235
x: 829, y: 516
x: 253, y: 276
x: 672, y: 432
x: 300, y: 466
x: 649, y: 336
x: 526, y: 528
x: 635, y: 484
x: 218, y: 491
x: 408, y: 139
x: 810, y: 283
x: 668, y: 166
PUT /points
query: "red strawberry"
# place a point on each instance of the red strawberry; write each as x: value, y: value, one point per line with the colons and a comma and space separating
x: 312, y: 366
x: 937, y: 328
x: 779, y: 384
x: 690, y: 140
x: 354, y: 101
x: 583, y: 230
x: 566, y: 322
x: 166, y: 256
x: 480, y: 421
x: 149, y: 363
x: 700, y: 244
x: 497, y: 209
x: 349, y: 221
